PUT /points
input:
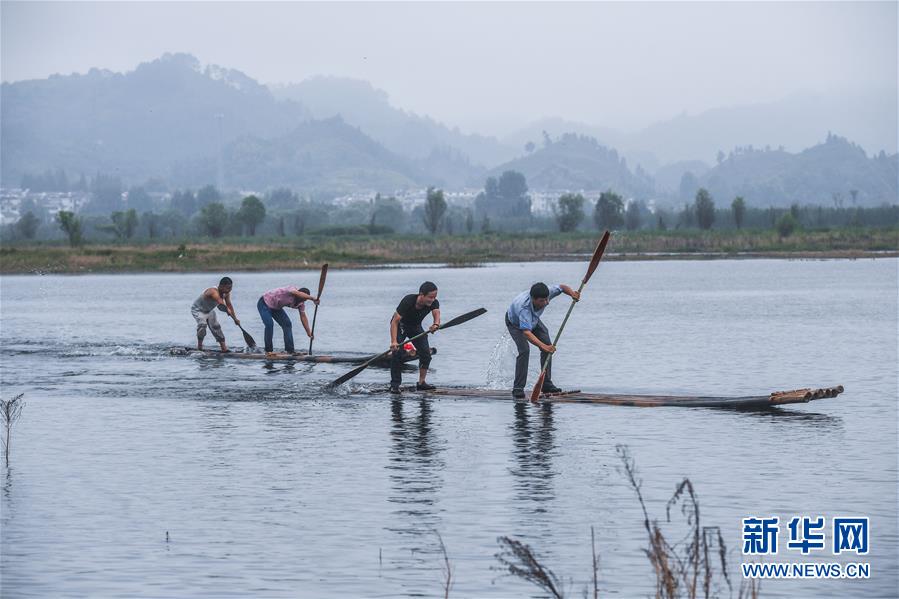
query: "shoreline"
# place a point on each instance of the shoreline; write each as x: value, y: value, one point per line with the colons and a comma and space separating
x: 255, y: 254
x: 103, y: 260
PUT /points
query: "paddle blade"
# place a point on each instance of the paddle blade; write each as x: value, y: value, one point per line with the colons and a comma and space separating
x: 597, y: 255
x: 463, y: 318
x: 538, y: 386
x: 341, y: 380
x: 251, y: 343
x: 321, y: 279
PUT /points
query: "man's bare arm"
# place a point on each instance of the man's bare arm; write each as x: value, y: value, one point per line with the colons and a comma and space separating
x: 533, y: 339
x: 570, y: 292
x: 230, y: 308
x: 436, y: 314
x: 394, y: 331
x: 305, y: 297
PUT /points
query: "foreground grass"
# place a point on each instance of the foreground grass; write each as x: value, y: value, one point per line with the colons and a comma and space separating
x: 242, y: 254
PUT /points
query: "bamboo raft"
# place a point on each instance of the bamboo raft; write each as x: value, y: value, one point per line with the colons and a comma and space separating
x: 777, y: 398
x: 282, y: 357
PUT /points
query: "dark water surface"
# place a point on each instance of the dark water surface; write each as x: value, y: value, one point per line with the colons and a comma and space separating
x: 269, y: 486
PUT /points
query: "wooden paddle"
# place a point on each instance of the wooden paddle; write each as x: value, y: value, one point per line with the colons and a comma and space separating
x: 594, y: 262
x: 321, y: 285
x: 251, y: 343
x: 457, y: 320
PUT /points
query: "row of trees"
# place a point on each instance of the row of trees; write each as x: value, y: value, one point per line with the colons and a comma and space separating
x: 436, y: 216
x: 51, y: 181
x: 612, y: 212
x: 108, y: 193
x: 505, y: 197
x: 504, y: 201
x: 213, y: 220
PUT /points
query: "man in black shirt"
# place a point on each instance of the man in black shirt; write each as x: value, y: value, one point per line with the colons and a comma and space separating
x: 405, y: 324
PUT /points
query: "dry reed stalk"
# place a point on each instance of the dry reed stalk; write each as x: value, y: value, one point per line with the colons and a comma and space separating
x: 10, y: 409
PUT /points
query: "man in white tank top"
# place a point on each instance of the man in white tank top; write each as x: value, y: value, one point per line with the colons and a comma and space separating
x: 203, y: 311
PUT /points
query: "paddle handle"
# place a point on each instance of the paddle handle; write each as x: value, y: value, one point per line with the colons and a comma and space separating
x: 453, y: 322
x: 387, y: 353
x: 312, y: 335
x: 410, y: 339
x: 321, y: 287
x: 562, y: 327
x: 594, y: 263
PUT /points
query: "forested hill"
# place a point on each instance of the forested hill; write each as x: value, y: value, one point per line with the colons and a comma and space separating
x: 403, y: 132
x: 327, y: 155
x: 835, y: 172
x: 134, y: 124
x: 579, y: 162
x: 180, y: 123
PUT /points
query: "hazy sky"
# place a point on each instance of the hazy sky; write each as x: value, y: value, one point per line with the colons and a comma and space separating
x: 491, y: 66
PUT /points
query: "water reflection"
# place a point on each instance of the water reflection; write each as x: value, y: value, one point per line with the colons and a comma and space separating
x: 415, y: 467
x: 814, y: 420
x: 533, y: 434
x: 216, y: 364
x: 272, y: 367
x: 7, y: 484
x: 7, y: 520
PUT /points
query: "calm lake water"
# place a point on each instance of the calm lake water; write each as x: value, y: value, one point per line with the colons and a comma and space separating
x: 268, y: 486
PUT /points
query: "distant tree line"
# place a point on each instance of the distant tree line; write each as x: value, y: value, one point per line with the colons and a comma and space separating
x: 52, y: 181
x: 503, y: 205
x: 612, y: 212
x: 505, y: 197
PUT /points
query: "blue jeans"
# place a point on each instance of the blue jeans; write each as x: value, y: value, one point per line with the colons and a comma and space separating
x: 269, y: 317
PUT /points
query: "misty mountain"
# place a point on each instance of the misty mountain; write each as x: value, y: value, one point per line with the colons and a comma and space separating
x: 169, y: 117
x: 668, y: 178
x: 575, y: 162
x: 450, y: 168
x: 326, y: 155
x: 405, y: 133
x: 824, y: 174
x: 795, y: 122
x: 553, y: 127
x: 134, y: 124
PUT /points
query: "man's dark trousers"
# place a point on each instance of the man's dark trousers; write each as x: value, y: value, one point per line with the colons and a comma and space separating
x: 524, y: 353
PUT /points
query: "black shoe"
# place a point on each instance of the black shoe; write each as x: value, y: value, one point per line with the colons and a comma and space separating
x: 550, y: 388
x: 424, y: 387
x: 517, y: 393
x: 395, y: 390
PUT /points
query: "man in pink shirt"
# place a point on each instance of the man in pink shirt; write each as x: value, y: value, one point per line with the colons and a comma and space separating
x: 271, y: 308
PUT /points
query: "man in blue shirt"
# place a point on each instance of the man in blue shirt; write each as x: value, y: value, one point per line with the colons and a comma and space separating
x: 525, y: 326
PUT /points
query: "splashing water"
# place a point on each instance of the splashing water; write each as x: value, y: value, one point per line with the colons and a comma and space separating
x: 501, y: 368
